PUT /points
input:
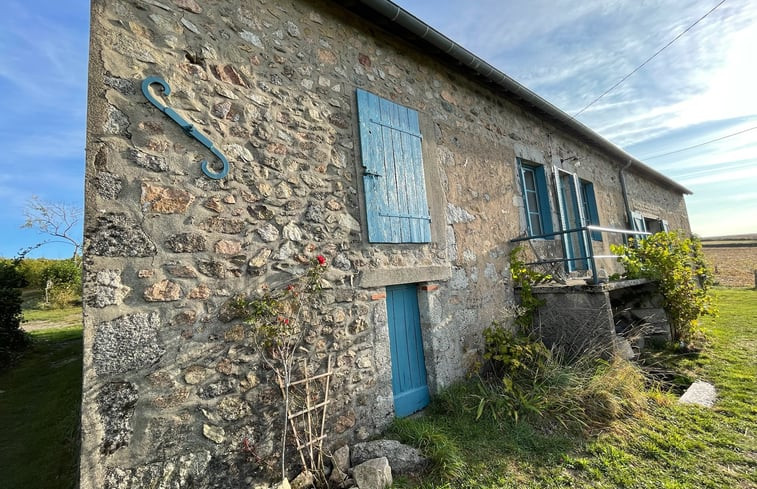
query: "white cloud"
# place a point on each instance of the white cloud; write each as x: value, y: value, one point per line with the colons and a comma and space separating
x: 717, y: 175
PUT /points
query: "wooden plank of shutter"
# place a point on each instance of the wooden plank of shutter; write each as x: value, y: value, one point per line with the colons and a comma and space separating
x: 370, y: 145
x: 421, y: 223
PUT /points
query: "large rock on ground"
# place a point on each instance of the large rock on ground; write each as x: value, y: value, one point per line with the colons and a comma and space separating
x: 373, y: 474
x: 700, y: 393
x: 402, y: 458
x: 341, y: 462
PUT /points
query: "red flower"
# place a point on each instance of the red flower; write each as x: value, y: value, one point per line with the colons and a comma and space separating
x: 283, y: 320
x: 321, y: 259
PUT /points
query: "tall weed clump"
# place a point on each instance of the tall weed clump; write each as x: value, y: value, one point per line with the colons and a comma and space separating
x: 444, y: 454
x: 523, y: 379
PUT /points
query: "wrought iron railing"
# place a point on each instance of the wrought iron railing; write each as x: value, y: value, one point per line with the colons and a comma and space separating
x: 590, y: 257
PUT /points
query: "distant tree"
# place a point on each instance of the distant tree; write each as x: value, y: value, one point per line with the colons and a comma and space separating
x: 57, y: 220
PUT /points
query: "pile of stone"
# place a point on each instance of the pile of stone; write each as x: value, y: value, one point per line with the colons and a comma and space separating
x: 368, y: 465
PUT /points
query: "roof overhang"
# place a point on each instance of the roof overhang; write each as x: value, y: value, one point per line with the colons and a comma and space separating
x: 398, y: 21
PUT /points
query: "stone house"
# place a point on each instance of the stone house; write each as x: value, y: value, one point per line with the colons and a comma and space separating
x: 289, y: 129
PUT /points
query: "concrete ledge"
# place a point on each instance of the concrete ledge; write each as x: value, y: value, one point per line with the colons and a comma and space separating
x: 396, y: 276
x: 579, y: 286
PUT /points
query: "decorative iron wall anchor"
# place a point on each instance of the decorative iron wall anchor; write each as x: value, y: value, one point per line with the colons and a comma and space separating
x: 186, y: 126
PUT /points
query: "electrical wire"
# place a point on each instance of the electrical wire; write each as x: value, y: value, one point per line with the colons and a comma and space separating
x: 647, y: 61
x: 699, y: 144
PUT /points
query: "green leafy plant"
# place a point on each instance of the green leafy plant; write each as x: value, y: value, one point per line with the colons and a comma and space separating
x: 512, y: 382
x: 524, y: 279
x: 679, y: 267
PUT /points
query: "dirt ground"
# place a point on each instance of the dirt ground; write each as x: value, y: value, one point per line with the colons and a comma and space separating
x: 734, y: 266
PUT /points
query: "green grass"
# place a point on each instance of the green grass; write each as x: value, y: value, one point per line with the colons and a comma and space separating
x: 39, y: 412
x: 671, y: 446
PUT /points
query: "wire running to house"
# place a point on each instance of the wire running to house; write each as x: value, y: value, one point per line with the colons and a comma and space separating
x: 699, y: 144
x: 647, y: 61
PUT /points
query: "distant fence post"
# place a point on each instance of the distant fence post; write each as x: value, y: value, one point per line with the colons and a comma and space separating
x: 755, y: 279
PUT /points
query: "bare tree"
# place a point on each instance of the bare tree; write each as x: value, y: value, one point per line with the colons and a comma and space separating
x: 55, y: 219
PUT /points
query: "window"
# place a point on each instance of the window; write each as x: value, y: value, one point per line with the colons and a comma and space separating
x: 648, y: 224
x: 590, y: 208
x: 535, y: 198
x: 395, y: 189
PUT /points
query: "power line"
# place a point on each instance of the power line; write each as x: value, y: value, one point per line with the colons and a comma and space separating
x: 700, y: 144
x: 647, y: 61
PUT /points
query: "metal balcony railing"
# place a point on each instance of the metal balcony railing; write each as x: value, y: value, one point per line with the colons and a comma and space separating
x: 585, y: 242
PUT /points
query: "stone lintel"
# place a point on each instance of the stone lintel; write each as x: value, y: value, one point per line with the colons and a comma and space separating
x: 396, y: 276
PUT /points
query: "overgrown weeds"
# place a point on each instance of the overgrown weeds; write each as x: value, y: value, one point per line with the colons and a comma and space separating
x: 523, y: 378
x: 620, y: 435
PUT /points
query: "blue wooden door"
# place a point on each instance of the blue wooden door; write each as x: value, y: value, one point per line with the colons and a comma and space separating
x: 408, y: 365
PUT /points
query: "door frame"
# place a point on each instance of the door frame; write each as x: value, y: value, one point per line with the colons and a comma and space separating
x: 574, y: 244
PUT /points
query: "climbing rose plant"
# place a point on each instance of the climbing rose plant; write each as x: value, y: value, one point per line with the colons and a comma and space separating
x: 279, y: 320
x: 681, y: 271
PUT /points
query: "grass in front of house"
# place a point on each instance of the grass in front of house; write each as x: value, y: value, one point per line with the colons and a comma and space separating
x: 39, y: 412
x: 671, y: 446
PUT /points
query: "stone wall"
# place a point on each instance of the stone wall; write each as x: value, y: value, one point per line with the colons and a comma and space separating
x: 171, y: 384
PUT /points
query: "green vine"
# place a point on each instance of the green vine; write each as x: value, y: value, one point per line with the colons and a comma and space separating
x: 683, y: 275
x: 524, y: 279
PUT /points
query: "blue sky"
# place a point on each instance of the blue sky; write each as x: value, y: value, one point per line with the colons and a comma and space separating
x: 700, y: 88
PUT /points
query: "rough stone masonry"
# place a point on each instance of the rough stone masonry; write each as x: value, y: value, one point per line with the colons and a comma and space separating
x: 172, y: 385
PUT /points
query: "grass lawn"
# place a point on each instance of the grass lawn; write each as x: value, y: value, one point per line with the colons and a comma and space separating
x: 670, y: 447
x: 35, y: 315
x: 39, y: 412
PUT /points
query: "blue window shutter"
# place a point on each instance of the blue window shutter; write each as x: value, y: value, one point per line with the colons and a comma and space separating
x: 539, y: 208
x: 638, y: 224
x: 591, y: 207
x: 543, y: 190
x: 395, y: 189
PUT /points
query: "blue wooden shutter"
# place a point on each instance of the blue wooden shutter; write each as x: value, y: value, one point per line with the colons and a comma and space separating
x: 542, y: 193
x: 638, y: 224
x: 543, y: 190
x: 395, y: 189
x: 591, y: 208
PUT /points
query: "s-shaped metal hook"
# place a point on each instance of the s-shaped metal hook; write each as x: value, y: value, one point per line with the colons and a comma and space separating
x: 186, y: 126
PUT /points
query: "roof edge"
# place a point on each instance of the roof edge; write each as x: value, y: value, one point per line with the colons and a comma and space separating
x: 410, y: 23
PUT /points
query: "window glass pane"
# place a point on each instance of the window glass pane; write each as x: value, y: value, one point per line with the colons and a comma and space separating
x: 535, y: 224
x: 528, y: 176
x: 533, y: 202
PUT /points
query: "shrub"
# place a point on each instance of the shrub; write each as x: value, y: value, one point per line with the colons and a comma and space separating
x: 63, y: 272
x: 12, y: 338
x: 679, y: 267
